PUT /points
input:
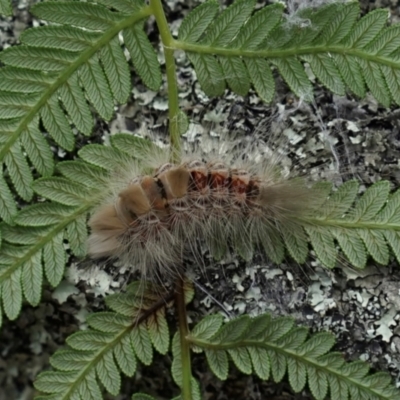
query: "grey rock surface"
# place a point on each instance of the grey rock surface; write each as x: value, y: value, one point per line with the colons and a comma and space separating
x: 362, y: 308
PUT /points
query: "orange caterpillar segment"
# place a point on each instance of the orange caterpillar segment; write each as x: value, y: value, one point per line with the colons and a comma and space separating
x: 155, y: 218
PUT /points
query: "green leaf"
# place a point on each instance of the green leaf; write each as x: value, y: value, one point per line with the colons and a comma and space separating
x: 232, y: 330
x: 5, y: 7
x: 54, y: 259
x: 127, y: 6
x: 367, y: 28
x: 158, y: 331
x: 19, y: 171
x: 77, y: 236
x: 341, y: 23
x: 108, y: 322
x: 218, y: 363
x: 84, y: 15
x: 143, y: 56
x: 196, y: 22
x: 209, y: 73
x: 89, y: 388
x: 241, y: 359
x: 270, y: 240
x: 261, y: 78
x: 8, y: 207
x: 390, y: 213
x: 341, y: 200
x: 54, y: 381
x: 59, y: 37
x: 10, y: 254
x: 393, y: 239
x: 375, y: 81
x: 326, y: 71
x: 258, y: 327
x: 317, y: 20
x: 89, y: 340
x: 96, y: 87
x: 125, y: 357
x: 104, y: 157
x: 226, y: 26
x: 37, y: 149
x: 11, y: 292
x: 56, y: 124
x: 323, y: 244
x: 351, y: 73
x: 293, y: 73
x: 293, y: 339
x: 127, y: 305
x: 108, y: 374
x: 352, y: 246
x: 279, y: 363
x: 280, y: 327
x: 318, y: 382
x: 37, y: 59
x: 375, y: 243
x: 61, y: 190
x: 24, y: 80
x: 207, y: 327
x: 75, y: 103
x: 183, y: 122
x: 235, y: 74
x: 176, y: 366
x: 70, y: 360
x: 392, y: 77
x: 23, y: 235
x: 136, y: 147
x: 297, y: 374
x: 371, y: 202
x: 83, y: 173
x: 32, y: 278
x: 260, y: 360
x: 42, y: 214
x: 295, y: 241
x: 195, y: 388
x: 319, y: 344
x: 258, y: 27
x: 116, y: 69
x: 140, y: 340
x: 386, y: 43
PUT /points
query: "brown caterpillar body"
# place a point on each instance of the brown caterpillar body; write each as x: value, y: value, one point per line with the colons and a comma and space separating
x: 155, y: 218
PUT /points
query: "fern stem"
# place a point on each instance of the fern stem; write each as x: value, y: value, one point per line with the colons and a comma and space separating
x: 184, y: 332
x: 342, y: 223
x: 283, y: 53
x: 173, y: 100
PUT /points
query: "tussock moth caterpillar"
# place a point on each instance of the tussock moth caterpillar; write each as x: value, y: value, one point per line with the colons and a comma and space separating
x: 160, y: 210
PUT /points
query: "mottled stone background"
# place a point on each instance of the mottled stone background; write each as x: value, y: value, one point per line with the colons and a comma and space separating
x: 362, y: 308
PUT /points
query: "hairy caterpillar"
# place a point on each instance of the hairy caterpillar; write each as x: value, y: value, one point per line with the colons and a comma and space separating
x: 160, y: 210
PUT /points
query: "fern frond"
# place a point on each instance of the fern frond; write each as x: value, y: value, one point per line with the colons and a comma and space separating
x: 5, y: 7
x: 367, y: 228
x: 343, y: 51
x: 34, y: 244
x: 78, y: 63
x: 113, y: 343
x: 274, y: 346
